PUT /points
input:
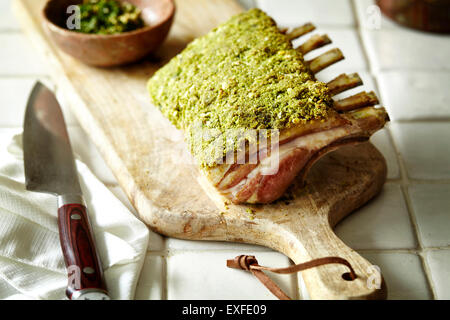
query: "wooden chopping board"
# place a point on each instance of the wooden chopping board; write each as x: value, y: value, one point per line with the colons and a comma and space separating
x: 149, y: 160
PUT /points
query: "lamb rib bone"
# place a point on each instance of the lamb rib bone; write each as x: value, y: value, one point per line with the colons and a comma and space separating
x: 300, y: 31
x: 315, y: 42
x: 344, y: 82
x: 362, y: 99
x: 325, y: 60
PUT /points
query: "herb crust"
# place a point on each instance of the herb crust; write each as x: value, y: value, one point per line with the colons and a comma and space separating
x: 243, y: 74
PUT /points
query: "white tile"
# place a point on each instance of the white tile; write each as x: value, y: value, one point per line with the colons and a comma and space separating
x: 347, y: 41
x: 383, y: 223
x: 14, y: 93
x: 439, y: 262
x: 150, y: 284
x: 7, y: 19
x: 88, y: 153
x: 294, y: 13
x: 18, y: 56
x: 431, y: 207
x: 403, y: 274
x: 370, y: 16
x: 180, y: 244
x: 204, y: 275
x: 416, y: 94
x: 424, y: 147
x: 407, y: 49
x: 382, y: 142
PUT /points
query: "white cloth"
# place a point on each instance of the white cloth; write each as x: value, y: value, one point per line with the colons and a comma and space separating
x: 31, y: 261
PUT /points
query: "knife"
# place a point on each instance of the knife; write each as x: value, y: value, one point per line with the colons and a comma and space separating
x: 50, y: 168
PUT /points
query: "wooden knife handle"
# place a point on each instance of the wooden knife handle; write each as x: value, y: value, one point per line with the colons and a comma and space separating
x: 80, y: 254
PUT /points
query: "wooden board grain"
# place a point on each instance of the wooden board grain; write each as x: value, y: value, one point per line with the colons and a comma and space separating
x: 148, y: 157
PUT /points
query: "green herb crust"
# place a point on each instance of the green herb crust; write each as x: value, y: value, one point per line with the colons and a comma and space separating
x: 109, y: 17
x: 243, y: 74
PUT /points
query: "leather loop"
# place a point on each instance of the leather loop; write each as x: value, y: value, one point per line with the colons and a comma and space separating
x: 242, y: 262
x: 249, y: 263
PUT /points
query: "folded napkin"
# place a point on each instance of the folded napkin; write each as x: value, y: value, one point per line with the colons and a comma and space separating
x: 31, y: 261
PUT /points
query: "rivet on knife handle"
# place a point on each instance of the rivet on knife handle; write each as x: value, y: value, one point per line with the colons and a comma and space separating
x: 80, y: 254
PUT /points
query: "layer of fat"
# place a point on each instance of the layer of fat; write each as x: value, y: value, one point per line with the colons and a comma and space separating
x: 313, y: 141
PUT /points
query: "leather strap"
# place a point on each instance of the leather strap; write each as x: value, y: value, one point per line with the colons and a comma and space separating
x: 249, y: 263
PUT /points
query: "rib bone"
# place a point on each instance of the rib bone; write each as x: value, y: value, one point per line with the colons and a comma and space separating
x: 300, y: 31
x: 344, y: 82
x: 362, y: 99
x: 324, y: 60
x: 315, y: 42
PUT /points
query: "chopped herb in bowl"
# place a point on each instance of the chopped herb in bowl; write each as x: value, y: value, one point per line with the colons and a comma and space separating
x: 109, y: 17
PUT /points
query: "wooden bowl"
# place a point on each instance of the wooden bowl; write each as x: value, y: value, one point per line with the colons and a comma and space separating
x: 110, y: 50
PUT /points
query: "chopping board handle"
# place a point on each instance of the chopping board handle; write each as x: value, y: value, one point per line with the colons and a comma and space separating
x: 333, y: 281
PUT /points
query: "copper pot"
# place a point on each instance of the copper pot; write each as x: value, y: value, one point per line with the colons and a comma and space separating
x: 426, y: 15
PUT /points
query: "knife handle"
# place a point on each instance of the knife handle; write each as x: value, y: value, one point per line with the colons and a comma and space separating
x: 80, y: 254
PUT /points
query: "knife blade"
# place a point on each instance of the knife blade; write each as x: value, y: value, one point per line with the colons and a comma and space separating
x: 50, y: 168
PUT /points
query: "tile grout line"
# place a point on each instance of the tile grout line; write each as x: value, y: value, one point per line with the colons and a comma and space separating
x: 357, y: 27
x: 4, y: 31
x: 163, y: 254
x: 164, y: 280
x: 415, y: 181
x: 294, y: 280
x: 25, y: 76
x: 403, y: 250
x: 426, y: 181
x: 164, y: 287
x: 434, y: 120
x: 420, y: 252
x: 404, y: 182
x: 172, y: 251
